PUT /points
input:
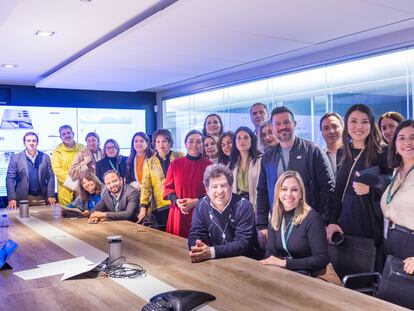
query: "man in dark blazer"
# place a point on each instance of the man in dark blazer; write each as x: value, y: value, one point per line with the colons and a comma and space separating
x: 119, y: 201
x: 30, y: 175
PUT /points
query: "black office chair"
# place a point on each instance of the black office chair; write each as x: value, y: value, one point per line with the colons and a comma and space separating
x: 354, y: 262
x: 395, y: 285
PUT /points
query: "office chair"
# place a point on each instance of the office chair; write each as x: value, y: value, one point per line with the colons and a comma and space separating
x: 354, y: 262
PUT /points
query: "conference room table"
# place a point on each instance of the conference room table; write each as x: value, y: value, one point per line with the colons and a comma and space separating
x: 237, y: 283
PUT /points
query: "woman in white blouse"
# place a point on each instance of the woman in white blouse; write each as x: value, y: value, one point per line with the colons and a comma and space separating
x: 397, y: 200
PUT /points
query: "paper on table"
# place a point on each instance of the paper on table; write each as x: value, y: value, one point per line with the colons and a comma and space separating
x: 54, y: 268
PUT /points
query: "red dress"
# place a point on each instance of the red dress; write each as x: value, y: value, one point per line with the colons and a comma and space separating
x: 185, y: 179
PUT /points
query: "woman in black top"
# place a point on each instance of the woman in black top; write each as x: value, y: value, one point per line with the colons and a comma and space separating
x: 297, y: 239
x: 112, y: 160
x: 362, y: 177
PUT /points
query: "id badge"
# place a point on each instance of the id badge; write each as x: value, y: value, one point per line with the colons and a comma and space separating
x: 386, y: 223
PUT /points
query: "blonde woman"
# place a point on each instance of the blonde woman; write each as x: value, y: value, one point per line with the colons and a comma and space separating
x: 297, y: 238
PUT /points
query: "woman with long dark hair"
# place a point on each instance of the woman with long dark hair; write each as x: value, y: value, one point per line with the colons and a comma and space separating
x: 245, y: 162
x: 387, y: 123
x: 112, y: 160
x: 225, y: 144
x: 90, y: 189
x: 397, y: 200
x: 361, y: 180
x: 140, y: 152
x: 213, y: 125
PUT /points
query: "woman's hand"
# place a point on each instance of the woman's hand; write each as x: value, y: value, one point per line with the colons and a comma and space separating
x: 262, y: 237
x: 186, y: 205
x: 141, y: 215
x: 409, y: 265
x: 274, y: 261
x: 331, y: 229
x: 360, y: 188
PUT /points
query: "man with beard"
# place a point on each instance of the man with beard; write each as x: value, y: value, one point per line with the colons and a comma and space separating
x: 296, y: 154
x: 331, y: 128
x: 119, y: 201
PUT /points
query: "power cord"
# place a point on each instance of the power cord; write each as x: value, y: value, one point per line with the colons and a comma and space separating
x: 116, y: 269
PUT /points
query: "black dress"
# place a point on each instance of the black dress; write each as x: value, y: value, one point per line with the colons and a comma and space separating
x: 360, y: 215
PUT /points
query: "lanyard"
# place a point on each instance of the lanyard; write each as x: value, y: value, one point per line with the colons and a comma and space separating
x: 282, y: 158
x: 113, y: 167
x: 285, y: 237
x: 390, y: 195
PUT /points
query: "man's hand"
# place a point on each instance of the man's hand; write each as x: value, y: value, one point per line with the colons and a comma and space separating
x: 12, y: 204
x: 93, y: 220
x: 51, y: 201
x: 100, y: 215
x: 200, y: 252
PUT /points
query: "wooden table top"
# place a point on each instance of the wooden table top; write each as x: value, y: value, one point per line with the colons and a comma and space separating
x: 238, y: 283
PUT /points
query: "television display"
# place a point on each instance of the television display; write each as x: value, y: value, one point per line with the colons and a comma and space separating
x: 119, y: 124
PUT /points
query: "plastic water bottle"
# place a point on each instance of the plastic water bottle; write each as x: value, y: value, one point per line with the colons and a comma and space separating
x: 57, y: 213
x: 4, y: 220
x: 4, y: 227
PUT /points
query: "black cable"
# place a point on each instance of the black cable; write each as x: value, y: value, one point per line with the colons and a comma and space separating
x: 116, y: 269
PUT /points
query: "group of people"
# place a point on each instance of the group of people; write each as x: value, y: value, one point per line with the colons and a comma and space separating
x: 267, y: 193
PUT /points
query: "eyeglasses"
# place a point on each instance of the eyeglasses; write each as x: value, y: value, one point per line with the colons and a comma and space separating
x: 110, y: 147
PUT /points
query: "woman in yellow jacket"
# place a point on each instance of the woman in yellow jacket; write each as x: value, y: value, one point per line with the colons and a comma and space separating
x: 62, y: 158
x: 152, y: 184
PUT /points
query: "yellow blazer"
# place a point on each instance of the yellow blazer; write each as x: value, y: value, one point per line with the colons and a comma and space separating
x: 153, y: 181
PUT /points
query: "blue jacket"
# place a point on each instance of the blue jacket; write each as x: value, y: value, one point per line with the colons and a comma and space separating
x: 314, y: 168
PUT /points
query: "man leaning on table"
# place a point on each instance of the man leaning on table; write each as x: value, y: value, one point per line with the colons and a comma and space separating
x: 119, y: 201
x: 223, y: 223
x: 30, y: 175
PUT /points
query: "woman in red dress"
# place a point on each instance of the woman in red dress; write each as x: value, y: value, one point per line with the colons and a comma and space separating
x: 184, y: 185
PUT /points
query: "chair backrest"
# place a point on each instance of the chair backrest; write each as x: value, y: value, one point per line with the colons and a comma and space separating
x: 396, y: 286
x: 353, y: 255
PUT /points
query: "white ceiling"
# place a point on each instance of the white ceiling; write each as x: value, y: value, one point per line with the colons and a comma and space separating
x: 133, y: 45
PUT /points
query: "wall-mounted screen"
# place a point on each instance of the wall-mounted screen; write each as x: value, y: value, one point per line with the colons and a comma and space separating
x: 119, y: 124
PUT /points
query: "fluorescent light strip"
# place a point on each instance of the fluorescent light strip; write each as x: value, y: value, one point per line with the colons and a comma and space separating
x: 42, y: 33
x: 9, y: 66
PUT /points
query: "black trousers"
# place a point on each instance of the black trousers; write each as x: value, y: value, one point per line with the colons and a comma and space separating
x: 399, y: 244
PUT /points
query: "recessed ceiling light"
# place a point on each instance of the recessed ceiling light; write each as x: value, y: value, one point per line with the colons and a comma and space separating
x: 9, y: 66
x: 44, y: 33
x: 85, y: 0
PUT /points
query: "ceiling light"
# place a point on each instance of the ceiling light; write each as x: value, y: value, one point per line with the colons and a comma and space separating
x: 44, y: 33
x: 9, y: 66
x: 85, y: 1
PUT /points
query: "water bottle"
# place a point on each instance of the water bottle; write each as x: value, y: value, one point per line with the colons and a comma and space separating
x: 4, y: 228
x: 4, y: 221
x: 57, y: 213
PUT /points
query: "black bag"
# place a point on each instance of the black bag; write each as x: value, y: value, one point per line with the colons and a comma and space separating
x: 396, y: 286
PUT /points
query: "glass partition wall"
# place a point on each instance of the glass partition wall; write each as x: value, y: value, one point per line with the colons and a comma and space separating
x: 383, y: 82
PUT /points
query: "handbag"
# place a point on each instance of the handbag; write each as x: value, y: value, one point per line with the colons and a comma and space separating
x: 327, y: 274
x: 71, y: 184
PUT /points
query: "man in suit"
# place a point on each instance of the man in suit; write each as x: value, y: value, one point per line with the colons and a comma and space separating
x: 119, y: 201
x: 30, y: 175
